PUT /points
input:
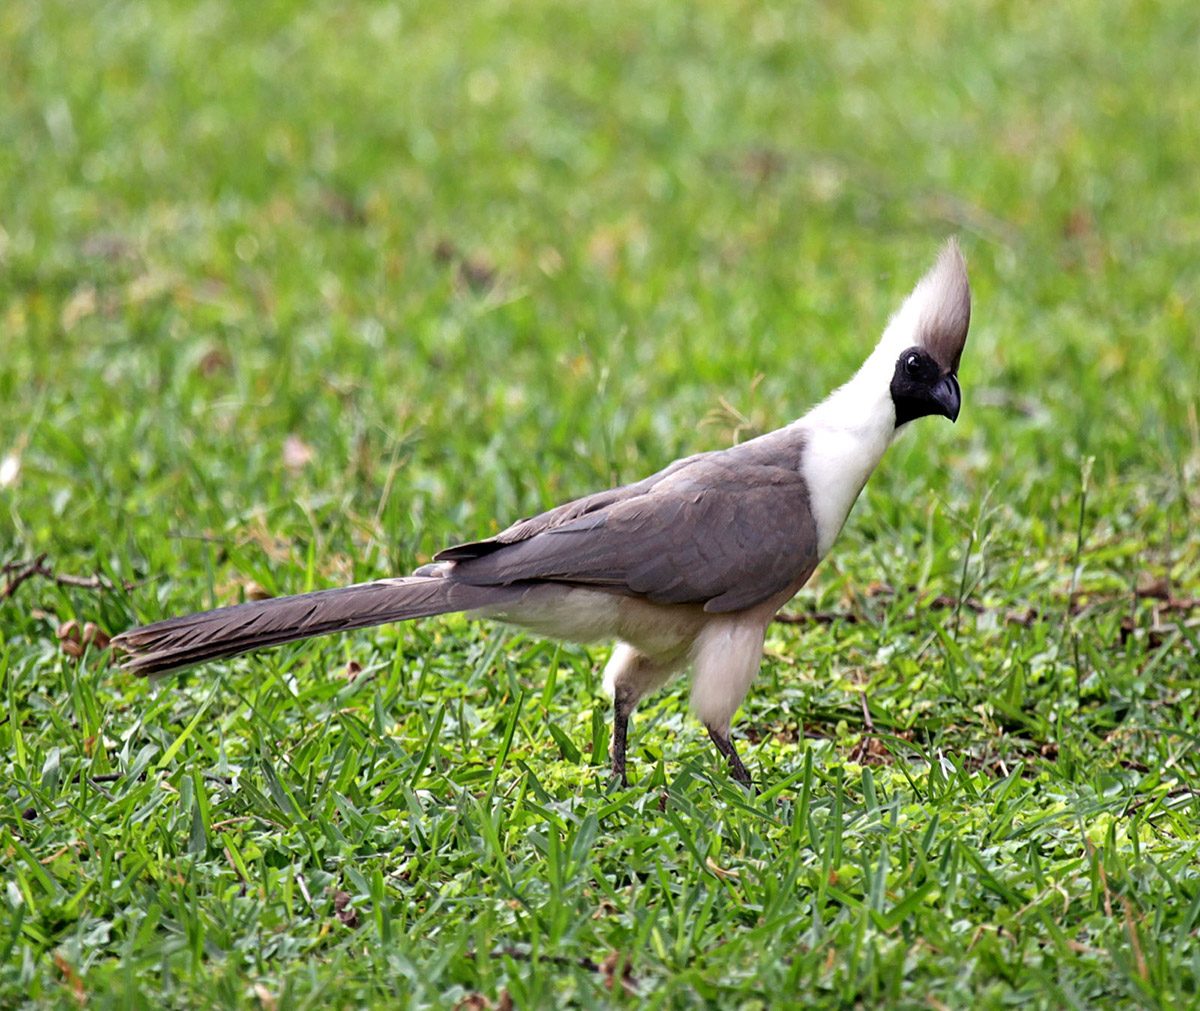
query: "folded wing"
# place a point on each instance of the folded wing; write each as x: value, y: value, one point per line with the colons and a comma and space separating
x: 728, y: 530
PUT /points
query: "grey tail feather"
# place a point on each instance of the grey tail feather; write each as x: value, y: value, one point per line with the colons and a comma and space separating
x: 228, y: 631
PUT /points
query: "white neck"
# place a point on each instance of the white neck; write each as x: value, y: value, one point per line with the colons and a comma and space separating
x: 847, y: 433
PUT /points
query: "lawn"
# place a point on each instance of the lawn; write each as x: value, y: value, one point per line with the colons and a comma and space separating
x: 293, y: 295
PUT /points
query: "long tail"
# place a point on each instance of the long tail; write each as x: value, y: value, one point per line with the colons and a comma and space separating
x: 227, y: 631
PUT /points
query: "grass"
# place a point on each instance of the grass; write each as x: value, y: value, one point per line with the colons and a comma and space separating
x: 294, y: 294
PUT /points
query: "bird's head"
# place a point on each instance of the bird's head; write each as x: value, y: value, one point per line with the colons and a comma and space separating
x: 932, y: 327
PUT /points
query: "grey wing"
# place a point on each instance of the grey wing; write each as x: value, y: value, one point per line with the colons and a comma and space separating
x: 721, y: 531
x: 561, y: 515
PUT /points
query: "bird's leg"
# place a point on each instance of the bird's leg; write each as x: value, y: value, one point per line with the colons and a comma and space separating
x: 622, y: 708
x: 725, y: 747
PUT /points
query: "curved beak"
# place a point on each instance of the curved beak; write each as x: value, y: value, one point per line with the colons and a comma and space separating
x: 948, y: 397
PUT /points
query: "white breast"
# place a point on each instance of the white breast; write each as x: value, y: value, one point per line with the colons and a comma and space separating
x: 836, y: 465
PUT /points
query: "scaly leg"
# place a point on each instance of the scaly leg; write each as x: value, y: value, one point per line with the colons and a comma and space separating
x: 628, y: 677
x: 622, y: 708
x: 726, y: 748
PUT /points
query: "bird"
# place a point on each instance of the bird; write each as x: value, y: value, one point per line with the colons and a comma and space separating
x: 683, y: 569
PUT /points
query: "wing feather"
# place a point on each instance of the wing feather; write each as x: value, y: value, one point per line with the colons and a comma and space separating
x: 727, y: 530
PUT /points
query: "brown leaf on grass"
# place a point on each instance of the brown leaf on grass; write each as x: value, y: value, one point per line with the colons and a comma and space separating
x: 473, y: 1002
x: 943, y: 601
x: 1026, y: 619
x: 256, y: 592
x: 72, y: 979
x: 816, y: 618
x: 93, y: 633
x: 346, y: 913
x: 72, y: 640
x: 1156, y: 634
x: 505, y: 1003
x: 719, y: 871
x: 352, y: 669
x: 609, y: 968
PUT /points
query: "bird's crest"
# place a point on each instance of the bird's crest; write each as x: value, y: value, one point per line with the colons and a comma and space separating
x: 942, y: 300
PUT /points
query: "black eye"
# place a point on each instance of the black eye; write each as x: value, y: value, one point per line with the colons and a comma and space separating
x: 912, y: 365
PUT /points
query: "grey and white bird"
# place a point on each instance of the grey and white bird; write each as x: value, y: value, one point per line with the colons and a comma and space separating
x: 685, y: 568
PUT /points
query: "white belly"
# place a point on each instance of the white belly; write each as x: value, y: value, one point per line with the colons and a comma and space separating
x: 578, y: 614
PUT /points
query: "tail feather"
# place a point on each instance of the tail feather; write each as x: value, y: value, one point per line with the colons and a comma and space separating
x: 228, y: 631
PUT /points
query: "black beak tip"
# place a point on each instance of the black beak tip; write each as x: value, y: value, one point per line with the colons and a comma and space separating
x: 949, y: 396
